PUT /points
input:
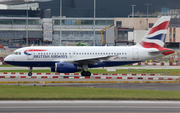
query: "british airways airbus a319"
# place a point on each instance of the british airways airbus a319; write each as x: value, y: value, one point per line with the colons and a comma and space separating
x: 80, y: 58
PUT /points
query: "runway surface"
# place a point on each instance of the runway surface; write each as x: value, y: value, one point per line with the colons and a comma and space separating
x: 90, y: 106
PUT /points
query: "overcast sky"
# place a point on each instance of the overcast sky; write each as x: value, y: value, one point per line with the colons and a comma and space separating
x: 3, y: 6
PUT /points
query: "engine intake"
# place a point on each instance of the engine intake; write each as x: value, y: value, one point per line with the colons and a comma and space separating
x: 65, y: 68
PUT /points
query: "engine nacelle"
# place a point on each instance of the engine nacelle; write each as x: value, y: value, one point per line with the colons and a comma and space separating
x: 66, y: 68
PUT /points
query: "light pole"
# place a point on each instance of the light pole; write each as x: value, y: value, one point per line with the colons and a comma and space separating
x: 133, y: 10
x: 147, y: 15
x: 94, y: 19
x: 27, y: 24
x: 60, y: 32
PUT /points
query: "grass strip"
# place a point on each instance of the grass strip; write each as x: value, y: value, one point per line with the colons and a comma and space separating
x: 78, y: 93
x: 8, y: 66
x: 174, y: 72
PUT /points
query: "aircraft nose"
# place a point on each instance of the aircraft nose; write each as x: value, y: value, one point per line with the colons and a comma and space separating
x: 6, y: 59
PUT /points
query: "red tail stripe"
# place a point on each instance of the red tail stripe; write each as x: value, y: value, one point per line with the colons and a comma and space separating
x: 149, y: 45
x: 154, y: 45
x: 161, y: 26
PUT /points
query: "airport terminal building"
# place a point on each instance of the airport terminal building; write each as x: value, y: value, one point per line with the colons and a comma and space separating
x: 43, y: 26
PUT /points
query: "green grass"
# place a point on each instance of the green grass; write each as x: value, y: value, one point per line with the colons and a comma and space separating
x: 78, y: 93
x: 118, y: 71
x: 7, y: 66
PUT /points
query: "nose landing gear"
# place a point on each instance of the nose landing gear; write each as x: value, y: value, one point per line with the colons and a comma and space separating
x: 30, y: 71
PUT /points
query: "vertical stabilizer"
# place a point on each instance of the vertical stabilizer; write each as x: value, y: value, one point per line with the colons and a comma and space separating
x: 156, y: 36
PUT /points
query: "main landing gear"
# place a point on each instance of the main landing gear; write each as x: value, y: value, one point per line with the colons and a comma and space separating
x: 85, y: 73
x: 30, y: 71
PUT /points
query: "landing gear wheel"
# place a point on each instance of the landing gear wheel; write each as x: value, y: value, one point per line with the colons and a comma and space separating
x: 88, y: 73
x: 83, y: 73
x: 30, y: 74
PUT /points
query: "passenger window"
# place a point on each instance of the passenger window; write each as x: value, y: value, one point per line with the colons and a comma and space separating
x: 69, y: 53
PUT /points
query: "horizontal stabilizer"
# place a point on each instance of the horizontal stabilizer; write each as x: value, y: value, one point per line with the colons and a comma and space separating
x: 164, y: 51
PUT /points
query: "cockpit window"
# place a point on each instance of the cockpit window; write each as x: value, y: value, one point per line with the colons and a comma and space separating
x: 16, y: 53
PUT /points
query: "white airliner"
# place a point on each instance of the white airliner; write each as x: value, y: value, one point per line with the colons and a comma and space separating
x: 74, y: 59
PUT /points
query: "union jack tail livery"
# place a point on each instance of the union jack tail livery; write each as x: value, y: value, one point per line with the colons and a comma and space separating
x: 155, y: 38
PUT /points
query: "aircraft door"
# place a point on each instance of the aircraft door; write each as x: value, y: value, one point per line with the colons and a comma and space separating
x: 135, y: 54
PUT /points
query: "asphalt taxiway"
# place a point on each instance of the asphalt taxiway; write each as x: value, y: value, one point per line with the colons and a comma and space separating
x: 90, y: 106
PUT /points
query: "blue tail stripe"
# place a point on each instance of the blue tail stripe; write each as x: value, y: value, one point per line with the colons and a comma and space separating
x: 161, y: 37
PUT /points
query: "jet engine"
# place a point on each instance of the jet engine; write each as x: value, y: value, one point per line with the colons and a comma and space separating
x: 65, y: 68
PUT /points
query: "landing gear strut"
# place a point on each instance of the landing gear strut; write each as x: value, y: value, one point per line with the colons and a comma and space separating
x: 30, y: 71
x: 85, y: 73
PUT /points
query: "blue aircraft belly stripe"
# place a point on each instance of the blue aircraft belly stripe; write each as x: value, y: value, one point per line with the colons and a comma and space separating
x: 52, y: 63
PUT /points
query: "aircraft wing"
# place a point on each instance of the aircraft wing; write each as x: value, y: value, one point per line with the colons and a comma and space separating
x: 89, y: 60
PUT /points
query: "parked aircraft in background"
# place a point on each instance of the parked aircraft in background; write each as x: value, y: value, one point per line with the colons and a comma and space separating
x: 80, y: 58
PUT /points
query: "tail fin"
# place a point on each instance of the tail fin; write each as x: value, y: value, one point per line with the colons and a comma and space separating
x: 155, y: 38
